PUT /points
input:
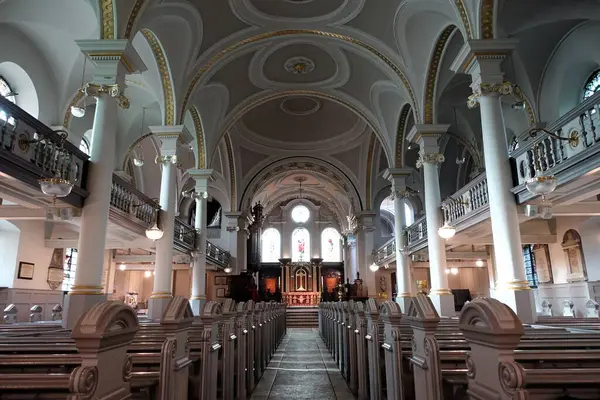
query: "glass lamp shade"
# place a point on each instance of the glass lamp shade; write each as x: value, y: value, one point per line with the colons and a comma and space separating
x: 77, y: 112
x: 479, y: 263
x: 55, y: 187
x: 122, y: 267
x: 228, y: 270
x: 138, y: 161
x: 447, y: 231
x: 374, y: 267
x: 454, y: 271
x: 148, y: 274
x: 541, y: 184
x: 154, y: 233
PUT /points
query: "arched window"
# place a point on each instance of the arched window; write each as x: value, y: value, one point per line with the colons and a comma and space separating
x: 69, y: 266
x: 300, y: 214
x: 270, y: 245
x: 330, y: 245
x: 300, y: 245
x: 84, y: 146
x: 592, y: 85
x: 388, y: 205
x: 8, y: 94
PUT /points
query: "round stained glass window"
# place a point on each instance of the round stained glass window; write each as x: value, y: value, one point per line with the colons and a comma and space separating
x: 300, y: 214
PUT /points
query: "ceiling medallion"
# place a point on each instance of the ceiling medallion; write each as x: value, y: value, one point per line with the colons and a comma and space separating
x: 300, y: 105
x: 299, y: 65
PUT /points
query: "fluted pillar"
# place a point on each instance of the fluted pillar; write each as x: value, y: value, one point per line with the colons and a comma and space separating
x: 488, y: 86
x: 200, y: 195
x: 403, y: 277
x: 161, y: 293
x: 108, y: 57
x: 430, y: 158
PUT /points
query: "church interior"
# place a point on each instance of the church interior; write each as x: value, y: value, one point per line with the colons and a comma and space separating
x: 300, y: 199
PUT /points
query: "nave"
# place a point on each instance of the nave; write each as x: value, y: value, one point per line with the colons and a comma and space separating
x: 302, y: 368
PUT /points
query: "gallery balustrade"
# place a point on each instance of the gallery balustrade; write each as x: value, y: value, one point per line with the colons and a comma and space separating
x: 131, y: 202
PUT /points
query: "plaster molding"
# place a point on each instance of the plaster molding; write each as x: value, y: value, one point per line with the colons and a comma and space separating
x: 246, y: 12
x: 401, y: 134
x: 231, y: 164
x: 257, y: 64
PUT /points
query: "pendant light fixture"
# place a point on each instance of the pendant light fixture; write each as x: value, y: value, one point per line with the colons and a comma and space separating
x: 77, y: 111
x: 138, y: 159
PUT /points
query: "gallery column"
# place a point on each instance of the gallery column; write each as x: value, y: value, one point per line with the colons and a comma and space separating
x: 113, y: 59
x: 430, y: 158
x: 161, y: 294
x: 238, y: 241
x: 200, y: 195
x: 365, y: 247
x: 488, y: 87
x: 399, y: 193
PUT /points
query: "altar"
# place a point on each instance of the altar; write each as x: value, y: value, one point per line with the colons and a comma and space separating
x: 298, y: 299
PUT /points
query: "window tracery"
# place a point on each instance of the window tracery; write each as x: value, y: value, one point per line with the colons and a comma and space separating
x: 271, y: 245
x: 8, y: 94
x: 300, y: 245
x: 592, y: 85
x: 330, y: 245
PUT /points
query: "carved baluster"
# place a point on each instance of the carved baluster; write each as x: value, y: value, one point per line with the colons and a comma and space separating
x: 584, y: 131
x: 590, y: 113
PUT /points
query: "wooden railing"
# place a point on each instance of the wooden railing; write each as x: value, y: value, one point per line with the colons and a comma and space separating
x: 217, y: 255
x: 185, y: 236
x: 29, y: 150
x: 417, y: 233
x: 470, y: 199
x: 386, y: 251
x: 131, y: 202
x: 566, y: 160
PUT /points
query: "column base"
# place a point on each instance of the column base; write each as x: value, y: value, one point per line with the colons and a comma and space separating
x: 156, y: 307
x: 197, y: 305
x: 444, y: 304
x: 74, y: 305
x: 404, y: 302
x: 520, y: 301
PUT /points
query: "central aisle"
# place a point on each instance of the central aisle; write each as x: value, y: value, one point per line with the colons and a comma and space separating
x: 302, y: 368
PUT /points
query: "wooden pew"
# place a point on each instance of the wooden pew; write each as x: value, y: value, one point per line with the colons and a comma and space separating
x: 98, y: 366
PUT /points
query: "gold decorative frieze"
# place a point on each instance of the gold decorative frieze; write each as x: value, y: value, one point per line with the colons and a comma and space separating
x: 199, y: 137
x: 370, y: 169
x: 108, y: 19
x: 202, y: 72
x: 462, y: 11
x: 233, y: 195
x: 430, y: 158
x: 400, y: 135
x: 96, y: 90
x: 166, y: 159
x: 432, y: 73
x: 133, y: 17
x: 165, y: 75
x: 487, y: 19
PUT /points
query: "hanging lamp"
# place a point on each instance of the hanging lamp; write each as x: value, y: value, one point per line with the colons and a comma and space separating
x: 77, y: 111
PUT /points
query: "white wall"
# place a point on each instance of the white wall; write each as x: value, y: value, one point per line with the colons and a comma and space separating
x: 9, y: 245
x: 32, y: 249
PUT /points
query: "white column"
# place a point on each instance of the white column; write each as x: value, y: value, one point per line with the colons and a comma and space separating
x: 198, y: 299
x: 107, y: 88
x: 488, y: 86
x: 365, y: 246
x: 403, y: 276
x: 429, y: 158
x: 238, y: 241
x: 161, y: 293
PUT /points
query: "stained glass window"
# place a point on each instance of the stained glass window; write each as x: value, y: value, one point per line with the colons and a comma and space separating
x: 592, y: 85
x: 270, y: 245
x: 300, y: 214
x: 530, y: 270
x: 7, y: 93
x: 330, y: 245
x: 300, y: 245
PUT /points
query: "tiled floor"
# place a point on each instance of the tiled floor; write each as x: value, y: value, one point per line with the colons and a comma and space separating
x: 302, y: 368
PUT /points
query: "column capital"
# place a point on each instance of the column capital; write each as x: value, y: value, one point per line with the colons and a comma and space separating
x: 366, y: 220
x: 168, y: 136
x: 202, y: 178
x: 113, y: 59
x: 427, y: 135
x: 482, y: 60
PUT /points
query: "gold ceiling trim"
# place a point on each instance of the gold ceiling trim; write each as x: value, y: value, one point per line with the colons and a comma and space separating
x: 199, y: 137
x: 487, y: 19
x: 165, y: 75
x: 233, y: 195
x: 133, y: 17
x: 268, y: 35
x: 432, y: 73
x: 400, y: 135
x: 107, y: 11
x: 370, y: 169
x: 460, y: 5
